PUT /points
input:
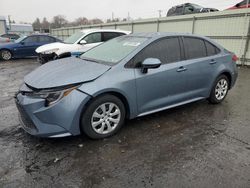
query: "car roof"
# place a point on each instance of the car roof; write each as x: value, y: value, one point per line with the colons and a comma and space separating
x: 163, y: 34
x: 87, y: 31
x: 35, y: 34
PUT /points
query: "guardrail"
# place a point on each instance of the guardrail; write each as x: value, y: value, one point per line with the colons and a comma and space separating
x: 229, y: 28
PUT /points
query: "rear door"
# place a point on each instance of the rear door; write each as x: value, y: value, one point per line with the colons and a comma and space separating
x: 201, y: 64
x: 165, y: 85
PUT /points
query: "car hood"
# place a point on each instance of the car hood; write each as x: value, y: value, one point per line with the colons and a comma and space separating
x: 64, y: 72
x: 51, y: 46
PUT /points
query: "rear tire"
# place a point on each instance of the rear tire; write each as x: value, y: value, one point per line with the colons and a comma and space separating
x: 103, y: 117
x: 5, y: 55
x: 219, y: 90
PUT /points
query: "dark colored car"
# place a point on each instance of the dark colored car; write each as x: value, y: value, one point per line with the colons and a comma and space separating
x: 10, y: 36
x: 242, y: 4
x: 188, y: 8
x: 126, y: 77
x: 24, y: 46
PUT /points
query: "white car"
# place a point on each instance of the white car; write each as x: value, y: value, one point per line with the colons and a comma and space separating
x: 77, y: 43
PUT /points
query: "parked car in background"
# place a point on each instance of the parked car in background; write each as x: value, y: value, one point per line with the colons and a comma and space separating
x: 188, y: 8
x: 242, y: 4
x: 11, y: 36
x: 8, y: 38
x: 24, y: 46
x: 127, y: 77
x: 77, y: 43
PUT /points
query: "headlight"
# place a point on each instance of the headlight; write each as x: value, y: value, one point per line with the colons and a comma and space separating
x: 51, y: 51
x: 51, y: 97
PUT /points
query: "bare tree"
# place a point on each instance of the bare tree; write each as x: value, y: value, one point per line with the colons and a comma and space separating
x: 59, y: 21
x: 81, y: 21
x: 36, y: 24
x: 45, y: 24
x: 96, y: 21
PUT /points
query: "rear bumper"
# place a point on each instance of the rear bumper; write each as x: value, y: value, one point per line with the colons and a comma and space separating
x: 58, y: 120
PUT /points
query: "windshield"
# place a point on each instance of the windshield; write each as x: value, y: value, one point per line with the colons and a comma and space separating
x: 115, y: 50
x: 73, y: 38
x: 20, y: 39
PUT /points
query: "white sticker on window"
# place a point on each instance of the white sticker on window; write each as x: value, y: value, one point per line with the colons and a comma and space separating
x: 131, y: 44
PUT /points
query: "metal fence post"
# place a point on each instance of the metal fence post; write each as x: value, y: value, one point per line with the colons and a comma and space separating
x: 246, y: 44
x: 132, y: 25
x: 158, y: 25
x: 193, y: 24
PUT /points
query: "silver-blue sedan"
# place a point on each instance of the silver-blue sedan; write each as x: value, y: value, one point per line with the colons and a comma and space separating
x: 124, y: 78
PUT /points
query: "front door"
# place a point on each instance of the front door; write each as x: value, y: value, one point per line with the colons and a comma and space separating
x: 166, y: 85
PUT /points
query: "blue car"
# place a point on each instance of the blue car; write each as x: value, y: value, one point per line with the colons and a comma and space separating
x: 124, y: 78
x: 24, y: 46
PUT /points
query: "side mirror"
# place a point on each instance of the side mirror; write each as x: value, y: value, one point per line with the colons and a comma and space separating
x: 82, y: 42
x: 150, y: 63
x: 22, y: 42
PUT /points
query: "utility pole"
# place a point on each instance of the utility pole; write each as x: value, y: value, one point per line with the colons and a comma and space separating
x: 160, y: 11
x: 9, y: 22
x: 128, y: 17
x: 112, y: 16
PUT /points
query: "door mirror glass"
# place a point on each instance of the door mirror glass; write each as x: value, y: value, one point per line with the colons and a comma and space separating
x: 22, y: 42
x: 150, y: 63
x: 82, y: 42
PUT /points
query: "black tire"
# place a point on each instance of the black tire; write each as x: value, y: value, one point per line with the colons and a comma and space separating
x: 5, y: 55
x: 87, y: 116
x: 213, y: 98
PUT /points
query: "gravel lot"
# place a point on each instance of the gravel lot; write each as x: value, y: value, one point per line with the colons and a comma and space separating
x: 196, y: 145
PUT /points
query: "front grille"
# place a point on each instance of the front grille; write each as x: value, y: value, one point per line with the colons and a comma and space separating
x: 27, y: 123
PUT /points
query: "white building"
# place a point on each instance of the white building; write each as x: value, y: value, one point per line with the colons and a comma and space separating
x: 24, y: 29
x: 3, y: 26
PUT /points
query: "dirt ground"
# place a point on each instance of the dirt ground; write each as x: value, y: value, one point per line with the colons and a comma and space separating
x: 196, y: 145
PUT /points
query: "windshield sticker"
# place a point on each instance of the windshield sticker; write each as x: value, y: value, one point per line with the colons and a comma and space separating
x: 131, y: 44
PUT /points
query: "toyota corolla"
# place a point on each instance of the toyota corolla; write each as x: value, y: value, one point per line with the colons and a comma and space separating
x: 124, y: 78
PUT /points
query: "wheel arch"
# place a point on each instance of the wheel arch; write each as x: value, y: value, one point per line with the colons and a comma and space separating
x: 117, y: 94
x: 229, y: 76
x: 6, y: 49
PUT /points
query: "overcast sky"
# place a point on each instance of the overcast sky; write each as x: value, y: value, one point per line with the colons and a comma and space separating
x: 28, y: 10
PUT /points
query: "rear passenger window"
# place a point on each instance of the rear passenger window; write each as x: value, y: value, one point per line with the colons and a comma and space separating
x: 46, y: 39
x: 110, y: 35
x: 194, y: 48
x: 167, y: 50
x: 211, y: 49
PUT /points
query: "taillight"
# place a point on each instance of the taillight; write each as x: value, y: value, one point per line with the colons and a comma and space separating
x: 235, y: 58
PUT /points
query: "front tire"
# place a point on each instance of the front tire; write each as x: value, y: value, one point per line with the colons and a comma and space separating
x: 103, y: 117
x: 219, y: 90
x: 5, y: 55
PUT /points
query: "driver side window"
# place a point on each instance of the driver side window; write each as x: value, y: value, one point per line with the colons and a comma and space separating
x: 167, y: 50
x: 93, y: 38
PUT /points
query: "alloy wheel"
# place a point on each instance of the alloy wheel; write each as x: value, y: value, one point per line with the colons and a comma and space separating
x: 221, y: 89
x: 6, y: 55
x: 106, y: 118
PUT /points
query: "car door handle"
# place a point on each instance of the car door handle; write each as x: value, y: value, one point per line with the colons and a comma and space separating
x: 213, y: 62
x: 181, y: 69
